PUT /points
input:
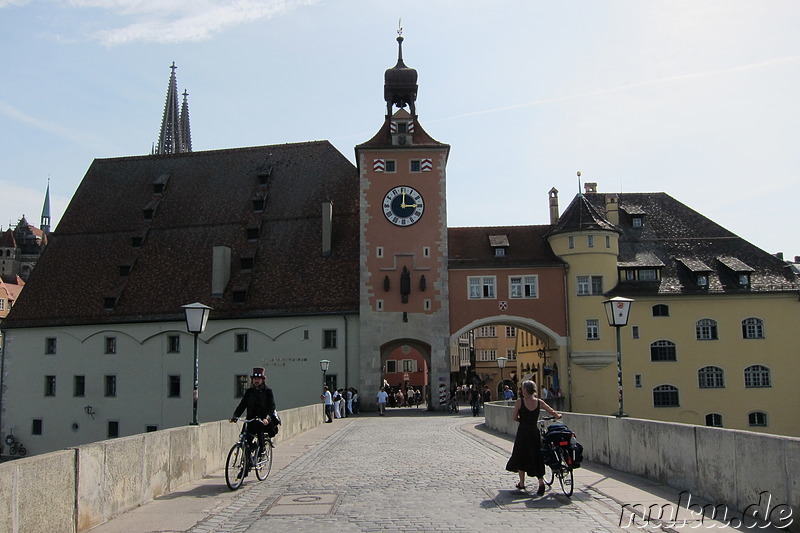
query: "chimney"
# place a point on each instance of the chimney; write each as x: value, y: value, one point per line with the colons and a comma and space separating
x: 612, y: 208
x: 220, y: 270
x: 779, y: 255
x: 327, y: 227
x: 590, y: 187
x: 553, y: 194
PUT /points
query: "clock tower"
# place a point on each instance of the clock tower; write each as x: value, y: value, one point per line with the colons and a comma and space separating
x: 403, y: 241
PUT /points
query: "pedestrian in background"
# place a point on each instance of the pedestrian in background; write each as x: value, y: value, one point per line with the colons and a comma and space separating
x: 328, y: 401
x: 382, y: 397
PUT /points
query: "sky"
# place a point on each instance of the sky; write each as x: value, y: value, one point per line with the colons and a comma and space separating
x: 688, y: 97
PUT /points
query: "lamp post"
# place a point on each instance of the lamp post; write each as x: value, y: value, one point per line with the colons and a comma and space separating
x: 324, y: 365
x: 617, y: 311
x: 196, y: 320
x: 501, y: 364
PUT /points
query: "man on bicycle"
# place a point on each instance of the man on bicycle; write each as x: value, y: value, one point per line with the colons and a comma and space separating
x: 260, y: 404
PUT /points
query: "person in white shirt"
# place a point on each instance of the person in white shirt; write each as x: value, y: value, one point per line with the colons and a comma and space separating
x: 327, y: 399
x: 382, y: 397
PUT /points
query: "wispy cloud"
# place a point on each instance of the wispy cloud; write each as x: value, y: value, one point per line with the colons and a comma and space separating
x: 58, y: 130
x: 181, y: 20
x: 621, y: 88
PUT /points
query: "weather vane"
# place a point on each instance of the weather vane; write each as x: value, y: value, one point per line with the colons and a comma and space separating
x: 400, y: 27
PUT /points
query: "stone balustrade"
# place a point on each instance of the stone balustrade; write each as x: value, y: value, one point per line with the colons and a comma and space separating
x: 78, y: 488
x: 750, y: 472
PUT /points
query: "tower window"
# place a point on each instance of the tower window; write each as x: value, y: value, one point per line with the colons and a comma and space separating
x: 391, y: 165
x: 416, y: 165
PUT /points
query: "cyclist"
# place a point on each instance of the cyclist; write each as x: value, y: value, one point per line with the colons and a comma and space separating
x: 259, y: 402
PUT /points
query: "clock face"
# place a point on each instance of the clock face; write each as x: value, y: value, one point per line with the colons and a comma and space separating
x: 403, y: 206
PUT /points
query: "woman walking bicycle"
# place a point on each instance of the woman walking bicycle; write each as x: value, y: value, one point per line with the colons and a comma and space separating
x: 526, y: 456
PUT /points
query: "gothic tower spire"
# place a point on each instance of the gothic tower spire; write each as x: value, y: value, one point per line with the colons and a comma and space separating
x: 45, y: 222
x: 186, y: 132
x: 169, y: 140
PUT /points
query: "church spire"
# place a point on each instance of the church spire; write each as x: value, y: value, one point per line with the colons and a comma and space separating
x: 45, y: 222
x: 171, y: 139
x: 186, y: 132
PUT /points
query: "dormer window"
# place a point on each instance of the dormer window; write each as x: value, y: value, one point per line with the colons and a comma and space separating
x: 499, y: 252
x: 744, y: 280
x: 702, y: 280
x: 637, y: 221
x: 499, y: 243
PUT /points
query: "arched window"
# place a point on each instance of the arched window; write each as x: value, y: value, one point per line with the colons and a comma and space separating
x: 660, y: 310
x: 662, y: 350
x: 757, y: 376
x: 757, y: 418
x: 665, y: 396
x: 707, y: 330
x: 711, y: 377
x: 752, y: 328
x: 714, y: 420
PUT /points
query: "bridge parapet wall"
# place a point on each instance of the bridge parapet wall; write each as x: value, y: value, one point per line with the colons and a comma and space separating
x: 723, y: 466
x: 79, y: 488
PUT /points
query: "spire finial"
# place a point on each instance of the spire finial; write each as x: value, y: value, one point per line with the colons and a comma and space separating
x: 400, y: 41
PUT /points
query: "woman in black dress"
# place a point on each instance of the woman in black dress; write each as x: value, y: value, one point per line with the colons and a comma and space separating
x: 526, y: 456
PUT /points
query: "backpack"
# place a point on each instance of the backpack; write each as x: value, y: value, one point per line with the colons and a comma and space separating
x: 561, y: 435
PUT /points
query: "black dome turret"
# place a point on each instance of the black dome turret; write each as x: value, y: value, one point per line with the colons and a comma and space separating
x: 400, y: 84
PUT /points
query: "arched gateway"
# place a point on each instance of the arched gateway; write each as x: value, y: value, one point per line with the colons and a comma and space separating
x: 421, y: 284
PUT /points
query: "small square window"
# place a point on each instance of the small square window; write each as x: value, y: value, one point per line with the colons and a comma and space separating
x: 252, y: 234
x: 79, y: 386
x: 113, y: 429
x: 111, y: 345
x: 150, y: 428
x: 246, y: 263
x: 241, y: 384
x: 36, y: 426
x: 637, y: 222
x: 111, y: 386
x: 391, y: 165
x: 173, y: 344
x: 50, y: 346
x: 416, y: 165
x: 174, y: 387
x: 329, y: 338
x: 241, y: 342
x: 49, y: 385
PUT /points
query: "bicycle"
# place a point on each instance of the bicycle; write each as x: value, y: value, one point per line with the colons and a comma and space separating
x: 15, y: 446
x: 246, y: 455
x: 452, y: 405
x: 559, y: 464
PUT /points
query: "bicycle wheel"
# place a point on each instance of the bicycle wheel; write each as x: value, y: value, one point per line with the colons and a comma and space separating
x: 264, y: 464
x: 548, y: 475
x: 234, y: 467
x: 565, y: 475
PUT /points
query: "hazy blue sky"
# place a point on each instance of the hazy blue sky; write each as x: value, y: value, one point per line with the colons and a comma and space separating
x: 698, y: 99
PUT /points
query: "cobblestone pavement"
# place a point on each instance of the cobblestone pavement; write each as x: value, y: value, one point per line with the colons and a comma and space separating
x: 407, y: 471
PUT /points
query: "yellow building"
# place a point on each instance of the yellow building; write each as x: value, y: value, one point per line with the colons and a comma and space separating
x: 713, y: 327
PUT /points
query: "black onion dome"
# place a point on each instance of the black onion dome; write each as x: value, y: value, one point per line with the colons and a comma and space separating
x: 400, y: 83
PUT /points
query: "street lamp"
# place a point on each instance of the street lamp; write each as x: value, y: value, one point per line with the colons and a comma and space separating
x: 617, y: 311
x: 501, y: 364
x: 196, y: 319
x: 324, y: 365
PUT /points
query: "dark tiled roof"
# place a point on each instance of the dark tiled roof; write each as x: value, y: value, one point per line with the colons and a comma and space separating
x: 208, y: 200
x: 383, y: 138
x: 688, y: 243
x: 527, y: 247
